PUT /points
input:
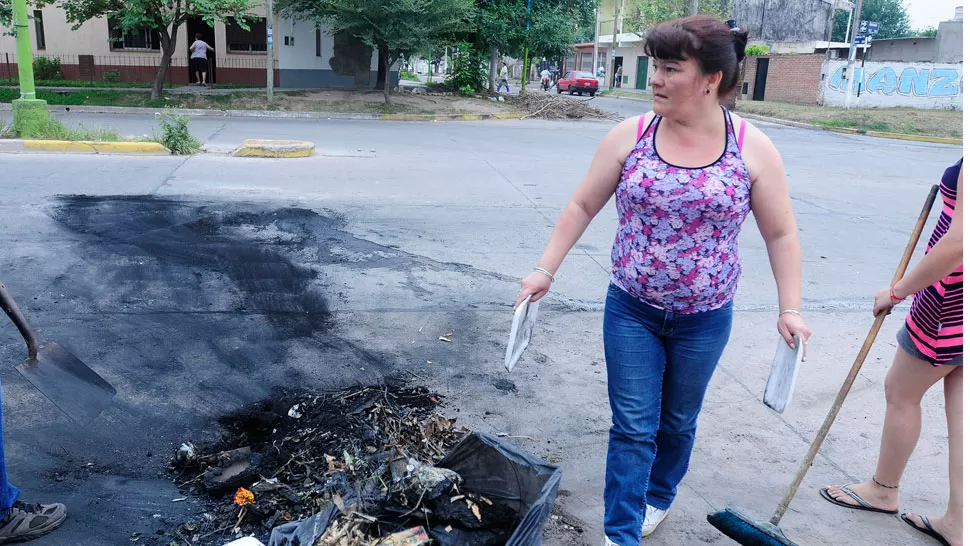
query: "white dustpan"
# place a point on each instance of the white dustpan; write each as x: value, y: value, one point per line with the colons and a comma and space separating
x: 523, y: 322
x: 784, y: 372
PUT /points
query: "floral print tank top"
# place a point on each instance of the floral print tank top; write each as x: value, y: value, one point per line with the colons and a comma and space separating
x: 676, y: 247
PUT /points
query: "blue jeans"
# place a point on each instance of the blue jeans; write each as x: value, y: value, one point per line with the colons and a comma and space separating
x: 505, y: 82
x: 658, y: 364
x: 8, y: 493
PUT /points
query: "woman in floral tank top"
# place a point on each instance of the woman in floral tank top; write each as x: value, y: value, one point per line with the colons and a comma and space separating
x: 684, y: 177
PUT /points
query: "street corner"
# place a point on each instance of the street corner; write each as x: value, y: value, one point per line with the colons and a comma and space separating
x: 274, y: 148
x: 82, y: 147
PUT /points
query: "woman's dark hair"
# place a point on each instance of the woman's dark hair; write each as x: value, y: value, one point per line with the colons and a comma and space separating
x: 198, y: 36
x: 715, y: 45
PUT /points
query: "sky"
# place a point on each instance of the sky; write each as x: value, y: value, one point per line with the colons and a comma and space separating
x: 928, y: 13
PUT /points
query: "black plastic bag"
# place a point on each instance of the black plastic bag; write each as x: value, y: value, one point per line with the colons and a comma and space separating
x: 505, y: 474
x: 489, y: 467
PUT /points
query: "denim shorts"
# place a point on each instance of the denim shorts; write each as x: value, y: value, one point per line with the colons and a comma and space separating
x: 907, y: 344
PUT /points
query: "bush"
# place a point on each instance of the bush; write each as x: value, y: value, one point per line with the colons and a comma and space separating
x: 112, y: 76
x: 175, y: 134
x: 756, y: 50
x: 466, y: 90
x: 48, y: 69
x: 408, y: 75
x: 468, y: 69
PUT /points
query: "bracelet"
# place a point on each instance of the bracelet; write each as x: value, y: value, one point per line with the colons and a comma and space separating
x: 795, y: 312
x: 892, y: 295
x: 546, y: 273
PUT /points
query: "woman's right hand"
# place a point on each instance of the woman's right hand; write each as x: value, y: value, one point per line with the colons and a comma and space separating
x: 535, y: 284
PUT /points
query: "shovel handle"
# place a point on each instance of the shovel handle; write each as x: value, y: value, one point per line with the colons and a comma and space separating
x: 12, y: 311
x: 857, y: 365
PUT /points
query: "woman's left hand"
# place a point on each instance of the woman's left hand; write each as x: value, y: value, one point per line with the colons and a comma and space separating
x: 789, y: 326
x: 883, y: 302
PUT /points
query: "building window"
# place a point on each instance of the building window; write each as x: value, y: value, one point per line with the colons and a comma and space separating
x: 144, y: 38
x: 240, y: 40
x: 316, y: 35
x: 586, y: 62
x: 39, y: 29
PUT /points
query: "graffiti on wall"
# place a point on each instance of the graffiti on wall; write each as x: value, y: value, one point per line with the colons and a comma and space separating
x: 920, y: 85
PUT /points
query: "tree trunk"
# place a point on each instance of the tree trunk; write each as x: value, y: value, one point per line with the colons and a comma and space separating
x: 386, y: 65
x: 492, y: 67
x: 168, y: 49
x: 382, y: 63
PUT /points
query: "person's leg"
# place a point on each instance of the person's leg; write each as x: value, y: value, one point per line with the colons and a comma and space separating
x: 8, y: 493
x: 907, y: 381
x: 203, y: 77
x: 635, y: 368
x: 950, y: 524
x: 693, y: 350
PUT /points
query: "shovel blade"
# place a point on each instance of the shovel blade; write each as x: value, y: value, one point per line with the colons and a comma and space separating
x: 70, y: 384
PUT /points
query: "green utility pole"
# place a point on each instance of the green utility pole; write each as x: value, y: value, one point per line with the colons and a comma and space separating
x: 528, y: 32
x: 28, y: 111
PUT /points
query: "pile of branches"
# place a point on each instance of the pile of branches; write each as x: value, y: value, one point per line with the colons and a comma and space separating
x: 545, y: 106
x: 293, y: 455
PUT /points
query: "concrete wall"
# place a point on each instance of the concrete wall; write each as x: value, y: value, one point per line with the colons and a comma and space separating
x: 350, y: 64
x: 784, y: 20
x: 897, y: 84
x: 903, y: 49
x: 949, y: 42
x: 791, y: 78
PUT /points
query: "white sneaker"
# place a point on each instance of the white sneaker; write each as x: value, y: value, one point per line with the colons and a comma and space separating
x: 652, y: 519
x: 610, y: 542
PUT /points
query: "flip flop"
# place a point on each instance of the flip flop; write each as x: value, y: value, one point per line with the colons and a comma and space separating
x: 926, y: 530
x: 863, y: 505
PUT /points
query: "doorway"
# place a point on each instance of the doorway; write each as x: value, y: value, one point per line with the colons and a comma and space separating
x: 760, y: 79
x: 617, y: 67
x: 197, y: 25
x: 643, y: 66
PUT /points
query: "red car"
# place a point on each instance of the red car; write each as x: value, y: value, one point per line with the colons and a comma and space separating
x: 578, y: 82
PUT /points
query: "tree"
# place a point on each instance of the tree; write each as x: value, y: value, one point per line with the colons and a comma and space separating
x: 394, y: 27
x: 925, y: 32
x: 555, y: 26
x: 165, y: 17
x: 890, y: 14
x: 649, y: 13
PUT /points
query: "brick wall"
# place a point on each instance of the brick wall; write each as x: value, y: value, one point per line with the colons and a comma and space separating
x: 791, y: 78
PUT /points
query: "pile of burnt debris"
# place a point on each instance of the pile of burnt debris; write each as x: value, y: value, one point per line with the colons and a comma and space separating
x: 355, y: 467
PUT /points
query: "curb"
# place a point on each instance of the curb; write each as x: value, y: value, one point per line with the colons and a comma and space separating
x: 83, y: 146
x: 276, y: 114
x: 273, y: 148
x: 845, y: 131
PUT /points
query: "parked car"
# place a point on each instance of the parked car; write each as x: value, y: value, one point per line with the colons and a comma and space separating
x: 578, y: 82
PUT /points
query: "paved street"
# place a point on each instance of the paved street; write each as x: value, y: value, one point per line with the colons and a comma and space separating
x: 196, y: 285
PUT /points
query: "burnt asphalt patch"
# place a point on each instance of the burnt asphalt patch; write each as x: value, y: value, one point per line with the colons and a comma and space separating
x: 191, y: 310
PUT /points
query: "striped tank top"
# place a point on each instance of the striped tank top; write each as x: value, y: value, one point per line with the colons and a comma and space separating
x: 935, y: 321
x: 676, y: 245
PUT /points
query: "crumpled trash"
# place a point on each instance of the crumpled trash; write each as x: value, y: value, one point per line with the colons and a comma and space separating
x: 421, y: 479
x: 186, y: 453
x: 415, y: 536
x: 295, y: 412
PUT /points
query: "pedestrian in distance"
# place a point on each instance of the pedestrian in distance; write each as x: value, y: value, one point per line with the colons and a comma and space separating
x: 199, y: 59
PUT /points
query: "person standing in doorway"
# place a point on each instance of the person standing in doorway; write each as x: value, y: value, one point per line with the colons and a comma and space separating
x: 618, y: 76
x: 503, y: 76
x: 199, y: 62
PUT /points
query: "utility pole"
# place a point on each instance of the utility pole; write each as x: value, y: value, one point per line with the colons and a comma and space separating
x: 596, y: 45
x: 270, y: 58
x: 617, y: 10
x: 528, y: 32
x: 695, y: 6
x: 28, y: 111
x: 849, y: 73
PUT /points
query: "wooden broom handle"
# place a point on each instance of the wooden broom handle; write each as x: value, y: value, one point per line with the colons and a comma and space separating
x: 857, y: 365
